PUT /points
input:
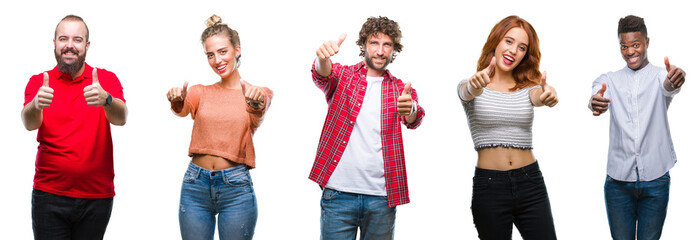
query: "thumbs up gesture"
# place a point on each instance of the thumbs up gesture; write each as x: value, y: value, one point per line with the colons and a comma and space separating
x: 254, y: 96
x: 599, y: 104
x: 44, y: 96
x: 480, y: 79
x: 330, y: 48
x: 675, y: 76
x: 177, y: 94
x: 549, y: 95
x: 94, y: 94
x: 404, y: 103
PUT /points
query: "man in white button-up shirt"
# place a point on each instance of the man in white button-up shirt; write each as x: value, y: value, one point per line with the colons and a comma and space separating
x: 641, y: 150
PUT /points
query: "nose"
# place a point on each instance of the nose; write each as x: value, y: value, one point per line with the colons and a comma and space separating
x: 218, y: 58
x: 629, y: 51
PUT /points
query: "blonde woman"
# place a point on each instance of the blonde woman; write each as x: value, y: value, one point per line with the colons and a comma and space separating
x: 226, y: 114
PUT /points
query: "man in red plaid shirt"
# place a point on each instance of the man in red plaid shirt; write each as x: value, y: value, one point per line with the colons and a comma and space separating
x: 360, y: 162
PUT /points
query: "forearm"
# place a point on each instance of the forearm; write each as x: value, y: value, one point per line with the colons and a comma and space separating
x: 323, y: 67
x: 466, y: 92
x: 31, y: 117
x: 116, y: 112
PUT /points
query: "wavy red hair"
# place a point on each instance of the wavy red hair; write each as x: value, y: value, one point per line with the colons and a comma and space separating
x: 527, y: 73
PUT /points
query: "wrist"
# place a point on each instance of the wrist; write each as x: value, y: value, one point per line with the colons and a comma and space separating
x: 108, y: 100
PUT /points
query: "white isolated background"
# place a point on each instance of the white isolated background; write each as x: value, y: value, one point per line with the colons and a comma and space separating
x: 154, y: 45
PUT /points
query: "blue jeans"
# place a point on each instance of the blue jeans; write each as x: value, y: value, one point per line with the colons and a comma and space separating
x: 503, y: 198
x: 342, y: 213
x: 58, y: 217
x: 637, y: 207
x: 228, y: 193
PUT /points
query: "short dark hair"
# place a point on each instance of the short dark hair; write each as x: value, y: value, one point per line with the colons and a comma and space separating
x: 380, y: 24
x: 72, y: 17
x: 632, y: 23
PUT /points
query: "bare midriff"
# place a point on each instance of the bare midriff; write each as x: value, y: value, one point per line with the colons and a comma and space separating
x: 212, y: 163
x: 504, y: 159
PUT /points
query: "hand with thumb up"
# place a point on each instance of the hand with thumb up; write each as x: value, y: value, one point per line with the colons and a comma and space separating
x: 404, y: 104
x: 599, y: 104
x: 94, y: 94
x: 44, y: 96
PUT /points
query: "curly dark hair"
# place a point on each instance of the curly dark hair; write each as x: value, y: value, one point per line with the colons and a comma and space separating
x: 632, y: 23
x: 380, y: 24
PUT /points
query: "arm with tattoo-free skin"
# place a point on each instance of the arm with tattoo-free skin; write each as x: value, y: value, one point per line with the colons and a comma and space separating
x: 95, y: 96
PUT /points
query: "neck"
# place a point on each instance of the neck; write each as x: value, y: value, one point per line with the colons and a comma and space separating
x: 232, y: 81
x: 501, y: 77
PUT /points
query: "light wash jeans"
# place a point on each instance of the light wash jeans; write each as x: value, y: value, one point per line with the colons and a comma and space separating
x: 228, y: 193
x: 637, y: 207
x: 342, y: 213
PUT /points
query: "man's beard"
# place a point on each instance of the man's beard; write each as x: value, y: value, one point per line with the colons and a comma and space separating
x: 72, y: 68
x: 371, y: 65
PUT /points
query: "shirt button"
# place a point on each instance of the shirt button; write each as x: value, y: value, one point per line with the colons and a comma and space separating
x: 344, y: 142
x: 359, y: 104
x: 351, y: 122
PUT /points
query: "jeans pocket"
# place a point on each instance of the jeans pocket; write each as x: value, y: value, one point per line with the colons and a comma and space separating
x: 189, y: 177
x: 330, y: 194
x: 480, y: 183
x: 535, y: 177
x: 238, y: 179
x: 665, y: 178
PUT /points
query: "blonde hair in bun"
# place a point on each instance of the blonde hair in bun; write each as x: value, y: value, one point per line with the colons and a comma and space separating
x: 213, y: 20
x: 215, y: 26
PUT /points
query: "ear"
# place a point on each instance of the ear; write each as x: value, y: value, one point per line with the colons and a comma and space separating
x: 87, y: 45
x: 647, y: 42
x: 238, y: 50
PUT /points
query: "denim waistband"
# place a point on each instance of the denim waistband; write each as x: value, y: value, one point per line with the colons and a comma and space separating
x: 533, y: 167
x: 232, y: 171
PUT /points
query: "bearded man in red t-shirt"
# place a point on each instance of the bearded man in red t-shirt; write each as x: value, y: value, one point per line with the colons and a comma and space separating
x: 73, y: 105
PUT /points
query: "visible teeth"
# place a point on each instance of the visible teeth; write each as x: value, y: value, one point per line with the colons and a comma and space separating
x: 509, y: 58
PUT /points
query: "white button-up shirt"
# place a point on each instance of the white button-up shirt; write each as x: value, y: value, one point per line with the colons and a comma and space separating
x: 640, y: 137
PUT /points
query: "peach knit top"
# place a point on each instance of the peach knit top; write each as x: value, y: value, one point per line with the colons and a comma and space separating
x: 223, y: 122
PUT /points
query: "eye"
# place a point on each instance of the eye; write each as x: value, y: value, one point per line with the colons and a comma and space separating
x: 223, y: 51
x: 522, y: 48
x: 623, y: 47
x: 636, y: 45
x: 78, y: 40
x: 209, y: 55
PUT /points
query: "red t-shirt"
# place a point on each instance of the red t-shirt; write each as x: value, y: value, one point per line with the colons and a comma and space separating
x: 74, y: 156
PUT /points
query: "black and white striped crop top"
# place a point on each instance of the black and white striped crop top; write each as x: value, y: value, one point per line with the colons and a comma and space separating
x: 500, y: 118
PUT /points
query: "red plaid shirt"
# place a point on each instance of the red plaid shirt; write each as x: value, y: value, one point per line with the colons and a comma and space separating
x: 345, y: 89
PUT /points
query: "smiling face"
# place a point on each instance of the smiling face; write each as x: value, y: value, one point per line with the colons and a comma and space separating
x: 221, y: 55
x: 70, y: 46
x: 633, y: 46
x: 512, y: 49
x: 379, y: 48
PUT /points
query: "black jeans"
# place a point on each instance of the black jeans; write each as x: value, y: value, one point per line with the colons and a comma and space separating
x: 503, y: 198
x: 59, y: 217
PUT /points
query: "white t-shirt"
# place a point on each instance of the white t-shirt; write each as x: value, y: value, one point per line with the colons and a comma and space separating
x: 361, y: 168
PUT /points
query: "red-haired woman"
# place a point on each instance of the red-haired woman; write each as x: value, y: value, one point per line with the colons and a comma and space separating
x: 498, y: 100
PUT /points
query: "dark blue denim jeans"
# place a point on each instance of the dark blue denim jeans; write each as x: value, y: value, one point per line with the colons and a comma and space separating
x: 58, y: 217
x: 227, y: 193
x: 503, y: 198
x: 342, y: 213
x: 637, y: 207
